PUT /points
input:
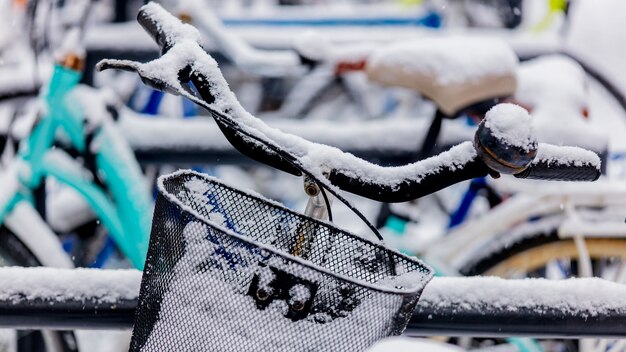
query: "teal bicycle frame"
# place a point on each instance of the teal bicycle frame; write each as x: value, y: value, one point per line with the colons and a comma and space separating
x: 125, y: 207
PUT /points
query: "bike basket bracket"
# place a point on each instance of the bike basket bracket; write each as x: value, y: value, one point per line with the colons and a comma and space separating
x: 222, y: 274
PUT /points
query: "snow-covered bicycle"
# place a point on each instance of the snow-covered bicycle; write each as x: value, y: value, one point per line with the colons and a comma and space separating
x: 504, y: 143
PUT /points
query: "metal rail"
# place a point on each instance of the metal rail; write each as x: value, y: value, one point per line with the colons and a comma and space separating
x: 438, y: 312
x: 71, y: 314
x: 429, y: 321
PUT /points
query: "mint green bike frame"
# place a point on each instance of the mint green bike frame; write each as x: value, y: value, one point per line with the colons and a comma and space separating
x: 125, y: 209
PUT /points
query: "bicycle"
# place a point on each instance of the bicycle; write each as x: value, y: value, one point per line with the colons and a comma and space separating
x: 325, y: 168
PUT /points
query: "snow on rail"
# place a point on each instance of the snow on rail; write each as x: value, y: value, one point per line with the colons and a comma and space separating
x: 59, y: 285
x: 585, y: 297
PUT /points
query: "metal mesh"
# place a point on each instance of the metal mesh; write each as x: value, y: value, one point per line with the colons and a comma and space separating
x: 231, y: 271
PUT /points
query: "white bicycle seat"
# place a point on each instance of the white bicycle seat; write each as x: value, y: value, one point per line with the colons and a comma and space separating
x: 454, y: 72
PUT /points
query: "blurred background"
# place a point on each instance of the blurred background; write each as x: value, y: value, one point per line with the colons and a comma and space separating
x: 378, y: 79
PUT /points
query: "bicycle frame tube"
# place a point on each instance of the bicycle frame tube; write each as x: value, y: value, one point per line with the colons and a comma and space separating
x: 125, y: 182
x: 127, y: 215
x: 58, y: 115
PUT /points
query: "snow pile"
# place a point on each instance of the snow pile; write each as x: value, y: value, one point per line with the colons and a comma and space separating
x: 584, y: 297
x: 299, y: 293
x: 552, y: 79
x: 555, y: 88
x: 450, y: 60
x: 512, y: 125
x: 312, y: 45
x: 58, y: 285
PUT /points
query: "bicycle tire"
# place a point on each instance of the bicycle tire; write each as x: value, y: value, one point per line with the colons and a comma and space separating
x: 534, y: 252
x: 13, y: 252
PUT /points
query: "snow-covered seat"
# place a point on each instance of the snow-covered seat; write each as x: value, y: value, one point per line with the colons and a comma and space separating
x: 454, y: 72
x: 554, y: 87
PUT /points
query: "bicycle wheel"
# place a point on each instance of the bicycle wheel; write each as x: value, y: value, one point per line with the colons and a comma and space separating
x: 531, y: 257
x: 13, y: 252
x: 554, y: 258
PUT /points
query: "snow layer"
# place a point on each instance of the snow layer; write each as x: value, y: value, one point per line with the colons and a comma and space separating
x: 512, y: 125
x: 58, y: 285
x: 312, y: 45
x: 596, y: 33
x: 555, y: 88
x: 66, y: 209
x: 450, y: 60
x: 552, y: 79
x: 571, y: 156
x: 586, y: 297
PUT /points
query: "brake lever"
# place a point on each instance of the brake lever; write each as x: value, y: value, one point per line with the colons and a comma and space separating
x: 133, y: 66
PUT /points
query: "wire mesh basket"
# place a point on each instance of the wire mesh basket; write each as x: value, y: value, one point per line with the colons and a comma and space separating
x: 231, y: 271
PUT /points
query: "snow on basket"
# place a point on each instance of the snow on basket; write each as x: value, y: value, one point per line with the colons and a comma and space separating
x: 229, y: 270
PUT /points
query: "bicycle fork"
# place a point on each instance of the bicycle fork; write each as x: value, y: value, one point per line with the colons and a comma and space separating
x: 317, y: 207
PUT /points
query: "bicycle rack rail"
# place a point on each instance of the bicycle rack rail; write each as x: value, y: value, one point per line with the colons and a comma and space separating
x: 65, y: 299
x: 540, y: 308
x: 200, y: 141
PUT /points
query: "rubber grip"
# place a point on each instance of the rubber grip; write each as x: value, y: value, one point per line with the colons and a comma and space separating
x: 557, y: 163
x: 552, y: 172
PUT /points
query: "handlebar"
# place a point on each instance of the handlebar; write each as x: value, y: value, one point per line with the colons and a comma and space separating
x: 183, y: 61
x: 559, y: 164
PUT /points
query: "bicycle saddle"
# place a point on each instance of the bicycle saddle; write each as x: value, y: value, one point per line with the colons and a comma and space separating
x: 454, y: 72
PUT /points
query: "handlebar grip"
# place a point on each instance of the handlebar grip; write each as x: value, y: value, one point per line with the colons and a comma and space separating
x: 164, y: 28
x: 562, y: 164
x: 147, y: 20
x: 543, y: 171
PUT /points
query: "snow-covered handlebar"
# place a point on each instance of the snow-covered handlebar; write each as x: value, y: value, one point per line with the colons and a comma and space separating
x: 504, y: 143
